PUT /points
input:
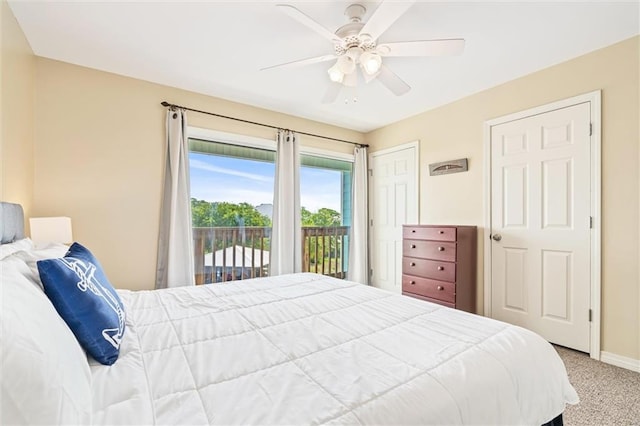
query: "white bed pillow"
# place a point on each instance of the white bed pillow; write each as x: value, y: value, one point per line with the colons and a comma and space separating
x: 7, y: 250
x: 31, y: 257
x: 45, y: 373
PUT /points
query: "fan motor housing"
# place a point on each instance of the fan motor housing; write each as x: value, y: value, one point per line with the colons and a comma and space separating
x: 350, y: 33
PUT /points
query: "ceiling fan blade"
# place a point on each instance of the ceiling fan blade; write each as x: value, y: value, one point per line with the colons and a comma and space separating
x: 446, y: 47
x: 385, y: 15
x: 301, y: 62
x: 332, y: 93
x: 308, y: 22
x: 392, y: 82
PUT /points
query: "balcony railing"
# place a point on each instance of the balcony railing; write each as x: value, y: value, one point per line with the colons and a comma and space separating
x: 235, y: 253
x: 324, y: 250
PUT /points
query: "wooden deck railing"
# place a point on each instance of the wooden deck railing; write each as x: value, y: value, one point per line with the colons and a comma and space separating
x: 324, y: 250
x: 236, y: 253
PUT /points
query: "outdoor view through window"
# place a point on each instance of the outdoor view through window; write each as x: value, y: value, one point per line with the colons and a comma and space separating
x: 231, y: 201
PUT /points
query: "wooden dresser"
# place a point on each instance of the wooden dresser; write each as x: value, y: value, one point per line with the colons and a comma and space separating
x: 439, y: 264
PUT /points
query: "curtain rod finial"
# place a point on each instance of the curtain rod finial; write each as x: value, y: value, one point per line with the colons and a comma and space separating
x: 165, y: 104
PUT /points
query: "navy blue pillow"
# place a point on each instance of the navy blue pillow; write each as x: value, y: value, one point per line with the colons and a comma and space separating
x: 84, y: 298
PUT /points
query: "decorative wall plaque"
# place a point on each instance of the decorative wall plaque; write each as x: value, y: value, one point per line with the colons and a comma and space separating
x: 446, y: 167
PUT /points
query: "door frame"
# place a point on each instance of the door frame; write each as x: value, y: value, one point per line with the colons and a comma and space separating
x: 595, y: 99
x: 408, y: 145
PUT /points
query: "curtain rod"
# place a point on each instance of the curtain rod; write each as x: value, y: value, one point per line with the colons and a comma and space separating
x: 168, y: 105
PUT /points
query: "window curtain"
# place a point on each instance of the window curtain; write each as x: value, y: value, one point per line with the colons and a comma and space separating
x: 175, y: 244
x: 358, y: 270
x: 286, y: 237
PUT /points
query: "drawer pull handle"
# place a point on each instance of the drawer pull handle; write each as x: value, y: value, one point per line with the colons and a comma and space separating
x: 412, y: 264
x: 412, y: 282
x: 440, y: 232
x: 440, y: 248
x: 440, y: 288
x: 413, y: 246
x: 440, y: 268
x: 413, y: 230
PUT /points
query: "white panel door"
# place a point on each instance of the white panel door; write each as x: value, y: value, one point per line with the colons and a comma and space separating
x: 540, y: 220
x: 393, y: 203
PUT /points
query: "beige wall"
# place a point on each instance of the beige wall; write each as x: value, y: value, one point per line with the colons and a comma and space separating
x: 17, y: 68
x: 456, y: 130
x: 99, y: 157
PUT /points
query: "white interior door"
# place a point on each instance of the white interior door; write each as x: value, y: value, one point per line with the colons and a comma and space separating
x: 540, y: 220
x: 394, y: 202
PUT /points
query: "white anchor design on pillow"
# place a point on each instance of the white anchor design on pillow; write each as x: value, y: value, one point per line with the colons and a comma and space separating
x: 85, y: 271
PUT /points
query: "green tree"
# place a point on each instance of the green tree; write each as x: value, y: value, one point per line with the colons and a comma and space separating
x: 306, y: 217
x: 326, y: 217
x: 243, y: 214
x: 207, y: 214
x: 202, y: 213
x: 323, y: 217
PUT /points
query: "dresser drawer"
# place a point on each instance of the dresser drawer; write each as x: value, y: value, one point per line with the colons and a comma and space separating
x: 440, y: 290
x: 431, y: 233
x: 436, y: 250
x: 438, y: 270
x: 429, y: 299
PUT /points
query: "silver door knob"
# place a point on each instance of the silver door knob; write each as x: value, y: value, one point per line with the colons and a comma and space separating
x: 496, y: 237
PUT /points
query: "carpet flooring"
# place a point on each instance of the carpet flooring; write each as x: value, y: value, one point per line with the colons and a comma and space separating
x: 609, y: 395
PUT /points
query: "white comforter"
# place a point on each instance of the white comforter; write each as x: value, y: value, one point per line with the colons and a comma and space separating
x: 304, y: 348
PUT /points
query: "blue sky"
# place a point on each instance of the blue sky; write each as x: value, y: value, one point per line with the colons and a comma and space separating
x: 217, y: 178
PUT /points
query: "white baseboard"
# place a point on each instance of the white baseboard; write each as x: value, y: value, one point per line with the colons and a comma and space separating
x: 620, y: 361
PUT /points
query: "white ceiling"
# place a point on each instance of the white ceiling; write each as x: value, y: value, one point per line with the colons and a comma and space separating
x: 217, y: 48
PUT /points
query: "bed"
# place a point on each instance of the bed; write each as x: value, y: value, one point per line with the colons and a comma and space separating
x: 293, y: 349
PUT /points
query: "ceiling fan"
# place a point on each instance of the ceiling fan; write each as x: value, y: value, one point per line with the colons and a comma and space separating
x: 356, y: 45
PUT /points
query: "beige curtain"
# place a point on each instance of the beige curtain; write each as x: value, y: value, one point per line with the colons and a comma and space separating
x: 358, y: 270
x: 175, y: 244
x: 286, y: 244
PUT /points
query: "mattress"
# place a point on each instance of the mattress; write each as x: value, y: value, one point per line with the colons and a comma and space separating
x: 310, y: 349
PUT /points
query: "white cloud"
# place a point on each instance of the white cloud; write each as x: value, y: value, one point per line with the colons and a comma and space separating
x: 314, y: 202
x: 230, y: 194
x: 319, y: 189
x: 202, y: 165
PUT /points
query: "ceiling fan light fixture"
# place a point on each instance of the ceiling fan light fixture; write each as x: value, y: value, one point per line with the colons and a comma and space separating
x: 346, y: 64
x: 367, y: 77
x: 371, y: 62
x: 335, y: 74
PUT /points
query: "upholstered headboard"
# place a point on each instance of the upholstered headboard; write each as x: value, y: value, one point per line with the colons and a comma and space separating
x: 11, y: 222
